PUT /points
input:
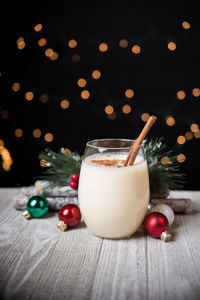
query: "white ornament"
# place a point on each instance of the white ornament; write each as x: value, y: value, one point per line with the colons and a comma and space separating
x: 166, y: 210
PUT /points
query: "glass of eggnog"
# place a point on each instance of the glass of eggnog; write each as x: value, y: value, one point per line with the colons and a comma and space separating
x: 113, y: 198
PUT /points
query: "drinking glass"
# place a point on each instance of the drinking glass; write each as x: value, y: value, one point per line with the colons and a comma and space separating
x: 113, y: 198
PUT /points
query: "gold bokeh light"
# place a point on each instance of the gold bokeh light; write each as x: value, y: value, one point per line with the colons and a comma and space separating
x: 85, y: 94
x: 197, y: 134
x: 103, y: 47
x: 126, y: 109
x: 194, y: 127
x: 129, y: 93
x: 18, y: 132
x: 123, y: 43
x: 186, y: 25
x: 180, y: 95
x: 136, y: 49
x: 16, y: 86
x: 64, y: 104
x: 49, y: 52
x: 37, y: 133
x: 44, y: 98
x: 145, y: 117
x: 181, y: 139
x: 171, y: 46
x: 29, y: 96
x: 196, y: 92
x: 170, y: 121
x: 188, y: 135
x: 42, y: 42
x: 38, y: 27
x: 96, y: 74
x: 109, y: 109
x: 48, y: 137
x: 81, y: 82
x: 181, y: 158
x: 72, y: 43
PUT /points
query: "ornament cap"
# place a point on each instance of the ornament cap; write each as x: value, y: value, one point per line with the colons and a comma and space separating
x: 62, y: 226
x: 26, y: 215
x: 166, y: 236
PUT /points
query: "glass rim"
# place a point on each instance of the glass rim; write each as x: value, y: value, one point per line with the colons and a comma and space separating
x: 89, y: 143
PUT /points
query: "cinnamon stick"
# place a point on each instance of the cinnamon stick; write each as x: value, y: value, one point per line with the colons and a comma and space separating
x: 136, y: 146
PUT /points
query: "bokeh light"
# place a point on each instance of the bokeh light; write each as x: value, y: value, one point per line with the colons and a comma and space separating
x: 180, y: 95
x: 64, y: 104
x: 129, y: 93
x: 123, y: 43
x: 109, y: 109
x: 81, y: 82
x: 16, y: 86
x: 72, y: 43
x: 196, y: 92
x: 38, y: 27
x: 18, y: 132
x: 186, y: 25
x: 194, y: 127
x: 103, y: 47
x: 188, y: 135
x: 171, y: 46
x: 181, y: 139
x: 44, y: 98
x: 126, y: 109
x: 29, y: 96
x: 85, y: 94
x: 42, y: 42
x: 48, y: 137
x: 170, y: 121
x: 96, y: 74
x: 136, y: 49
x: 145, y: 117
x: 37, y: 133
x: 76, y: 58
x: 197, y: 134
x: 181, y: 158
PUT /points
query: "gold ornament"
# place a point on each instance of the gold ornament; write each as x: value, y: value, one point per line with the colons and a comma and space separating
x: 165, y: 236
x: 26, y: 215
x: 62, y: 226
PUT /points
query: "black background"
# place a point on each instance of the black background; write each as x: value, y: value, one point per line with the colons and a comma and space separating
x: 155, y: 75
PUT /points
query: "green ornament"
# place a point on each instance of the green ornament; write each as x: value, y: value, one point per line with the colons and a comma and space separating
x: 37, y: 206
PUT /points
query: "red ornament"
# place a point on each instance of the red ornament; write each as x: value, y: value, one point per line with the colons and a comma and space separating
x: 74, y: 177
x: 73, y: 184
x: 155, y: 224
x: 70, y: 215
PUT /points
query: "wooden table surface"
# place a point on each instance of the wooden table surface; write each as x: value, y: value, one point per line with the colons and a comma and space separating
x: 37, y: 261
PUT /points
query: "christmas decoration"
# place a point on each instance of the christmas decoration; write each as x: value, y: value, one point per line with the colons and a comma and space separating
x: 74, y: 181
x: 164, y: 170
x: 37, y: 207
x: 69, y: 215
x: 156, y: 225
x: 166, y: 210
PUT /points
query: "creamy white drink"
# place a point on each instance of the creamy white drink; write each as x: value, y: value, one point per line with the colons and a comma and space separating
x: 113, y: 199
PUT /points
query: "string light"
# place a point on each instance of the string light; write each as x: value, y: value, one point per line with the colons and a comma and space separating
x: 48, y: 137
x: 37, y: 133
x: 42, y: 42
x: 186, y: 25
x: 81, y: 82
x: 196, y: 92
x: 85, y: 94
x: 129, y: 93
x: 123, y: 43
x: 145, y: 117
x: 136, y: 49
x: 194, y: 127
x: 72, y: 43
x: 64, y: 104
x: 16, y: 86
x: 181, y: 158
x: 180, y: 95
x: 38, y: 27
x: 181, y: 139
x: 126, y: 109
x: 188, y: 135
x: 96, y: 74
x: 103, y: 47
x: 29, y: 96
x: 171, y: 46
x: 170, y: 121
x: 18, y: 132
x: 109, y: 109
x: 44, y: 98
